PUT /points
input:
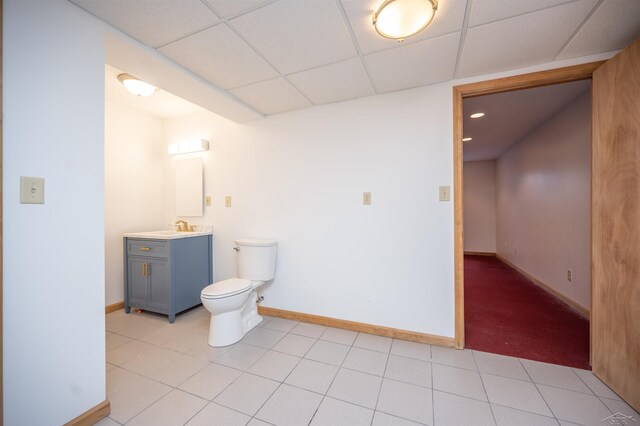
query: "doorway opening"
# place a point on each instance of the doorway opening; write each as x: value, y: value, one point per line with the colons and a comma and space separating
x: 526, y: 177
x: 471, y: 92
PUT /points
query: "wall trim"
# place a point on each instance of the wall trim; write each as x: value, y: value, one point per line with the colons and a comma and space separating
x: 378, y: 330
x: 480, y: 253
x: 575, y: 306
x: 114, y: 307
x: 500, y: 85
x: 92, y: 415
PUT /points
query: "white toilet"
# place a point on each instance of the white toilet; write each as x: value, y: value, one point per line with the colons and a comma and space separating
x: 232, y: 302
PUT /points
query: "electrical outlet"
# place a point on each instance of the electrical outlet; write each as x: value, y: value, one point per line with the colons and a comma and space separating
x: 569, y: 275
x: 227, y: 201
x: 207, y: 200
x: 366, y: 198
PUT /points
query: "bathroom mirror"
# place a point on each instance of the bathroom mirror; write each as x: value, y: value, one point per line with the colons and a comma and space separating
x: 189, y: 187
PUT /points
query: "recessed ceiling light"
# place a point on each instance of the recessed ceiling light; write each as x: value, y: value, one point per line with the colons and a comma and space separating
x: 477, y: 115
x: 137, y: 86
x: 467, y: 139
x: 399, y: 19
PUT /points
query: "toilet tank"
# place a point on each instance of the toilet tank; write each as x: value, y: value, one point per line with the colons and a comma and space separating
x: 256, y: 259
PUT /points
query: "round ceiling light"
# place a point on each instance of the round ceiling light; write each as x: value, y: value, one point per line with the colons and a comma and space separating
x: 399, y: 19
x: 136, y: 86
x: 477, y: 115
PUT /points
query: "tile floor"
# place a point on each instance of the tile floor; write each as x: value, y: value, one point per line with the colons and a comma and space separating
x: 289, y: 373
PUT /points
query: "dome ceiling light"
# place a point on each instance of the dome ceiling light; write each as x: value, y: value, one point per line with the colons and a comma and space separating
x: 399, y: 19
x: 137, y: 86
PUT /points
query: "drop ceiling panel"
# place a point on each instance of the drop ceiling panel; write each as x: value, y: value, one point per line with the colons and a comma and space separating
x: 521, y: 41
x: 448, y: 18
x: 425, y: 62
x: 272, y: 96
x: 297, y: 35
x: 221, y: 57
x: 484, y: 11
x: 333, y: 83
x: 229, y: 8
x: 613, y: 26
x: 153, y: 22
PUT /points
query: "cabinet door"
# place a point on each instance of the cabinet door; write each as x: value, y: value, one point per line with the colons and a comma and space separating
x: 158, y: 275
x: 137, y: 282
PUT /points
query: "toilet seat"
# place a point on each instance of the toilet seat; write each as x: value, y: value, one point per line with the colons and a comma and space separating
x: 226, y: 288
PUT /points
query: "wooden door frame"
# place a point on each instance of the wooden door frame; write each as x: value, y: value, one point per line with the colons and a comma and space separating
x: 500, y: 85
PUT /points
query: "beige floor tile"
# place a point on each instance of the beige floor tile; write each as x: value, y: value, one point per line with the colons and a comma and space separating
x: 210, y: 381
x: 409, y: 370
x: 595, y: 384
x: 118, y: 379
x: 515, y: 394
x: 178, y: 370
x: 150, y: 361
x: 128, y: 351
x: 413, y: 350
x: 574, y: 407
x: 203, y: 351
x: 454, y: 410
x: 263, y: 337
x: 458, y: 381
x: 132, y: 400
x: 107, y: 421
x: 241, y: 356
x: 274, y: 365
x: 506, y: 416
x: 247, y: 394
x: 328, y: 352
x: 312, y: 375
x: 384, y: 419
x: 453, y: 357
x: 355, y: 387
x: 162, y: 334
x: 309, y: 330
x: 217, y: 415
x: 174, y: 409
x: 619, y: 406
x: 281, y: 324
x: 333, y: 412
x: 373, y: 343
x: 115, y: 340
x: 289, y: 406
x: 257, y: 422
x: 367, y: 361
x: 184, y: 342
x: 555, y: 375
x: 293, y: 344
x: 407, y: 401
x: 500, y: 365
x: 140, y: 328
x: 338, y: 335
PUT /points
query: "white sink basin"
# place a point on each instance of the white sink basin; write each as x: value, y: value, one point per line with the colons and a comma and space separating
x: 166, y: 234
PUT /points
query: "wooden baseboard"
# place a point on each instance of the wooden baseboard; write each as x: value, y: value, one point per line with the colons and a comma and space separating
x: 92, y: 416
x: 584, y: 312
x: 114, y: 307
x: 480, y: 253
x: 395, y: 333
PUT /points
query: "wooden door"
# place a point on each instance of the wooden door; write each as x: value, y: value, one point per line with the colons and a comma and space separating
x: 615, y: 260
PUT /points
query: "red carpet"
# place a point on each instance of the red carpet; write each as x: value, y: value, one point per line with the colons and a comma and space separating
x: 507, y: 314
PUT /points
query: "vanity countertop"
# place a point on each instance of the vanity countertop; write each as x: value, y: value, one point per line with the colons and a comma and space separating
x: 165, y: 235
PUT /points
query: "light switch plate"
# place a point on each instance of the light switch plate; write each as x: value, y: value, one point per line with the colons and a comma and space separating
x: 207, y: 200
x: 227, y: 201
x: 366, y: 198
x: 445, y: 193
x: 31, y: 190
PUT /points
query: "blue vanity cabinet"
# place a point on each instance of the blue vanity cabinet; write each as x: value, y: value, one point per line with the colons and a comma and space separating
x: 166, y: 276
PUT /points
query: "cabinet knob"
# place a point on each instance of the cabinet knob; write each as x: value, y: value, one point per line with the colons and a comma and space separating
x: 145, y: 248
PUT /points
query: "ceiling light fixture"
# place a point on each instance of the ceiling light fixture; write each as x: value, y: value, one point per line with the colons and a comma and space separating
x: 186, y: 147
x: 137, y: 86
x: 467, y: 139
x: 399, y: 19
x: 477, y: 115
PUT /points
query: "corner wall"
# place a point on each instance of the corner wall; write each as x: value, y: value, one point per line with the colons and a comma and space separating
x: 479, y: 206
x: 543, y: 202
x: 134, y: 157
x: 53, y: 257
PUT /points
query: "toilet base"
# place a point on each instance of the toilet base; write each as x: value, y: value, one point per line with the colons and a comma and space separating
x: 230, y: 327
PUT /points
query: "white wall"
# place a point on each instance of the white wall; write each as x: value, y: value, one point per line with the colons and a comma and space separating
x: 134, y: 157
x: 543, y: 201
x: 53, y: 257
x: 298, y: 177
x: 480, y: 206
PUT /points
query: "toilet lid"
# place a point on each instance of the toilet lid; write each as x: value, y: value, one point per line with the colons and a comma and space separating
x: 226, y: 288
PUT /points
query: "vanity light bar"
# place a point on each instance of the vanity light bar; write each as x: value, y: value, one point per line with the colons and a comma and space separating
x: 187, y: 147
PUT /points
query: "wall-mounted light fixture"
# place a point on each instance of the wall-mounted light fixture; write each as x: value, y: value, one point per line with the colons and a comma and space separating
x: 137, y: 86
x: 187, y: 147
x: 467, y: 139
x: 399, y: 19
